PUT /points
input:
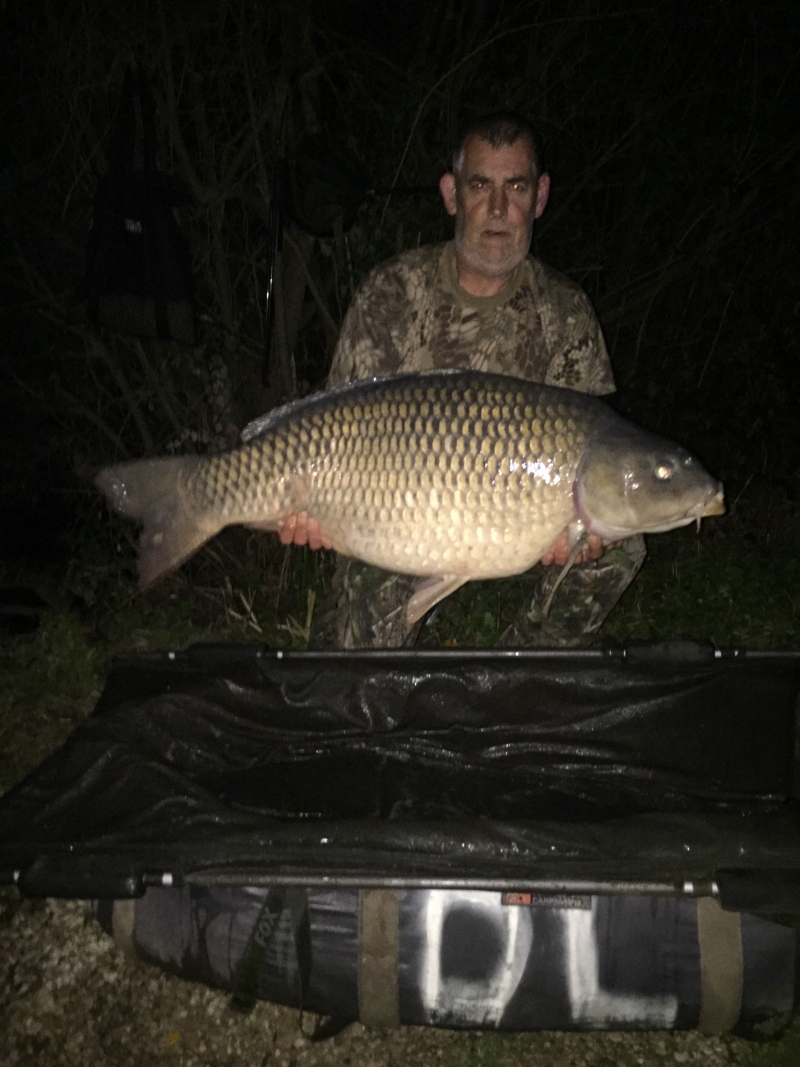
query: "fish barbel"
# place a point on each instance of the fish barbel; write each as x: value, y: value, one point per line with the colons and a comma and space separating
x: 452, y: 476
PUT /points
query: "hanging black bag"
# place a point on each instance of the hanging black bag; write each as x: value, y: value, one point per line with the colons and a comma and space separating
x: 138, y: 277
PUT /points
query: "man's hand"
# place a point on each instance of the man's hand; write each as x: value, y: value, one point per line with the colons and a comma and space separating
x: 559, y: 553
x: 300, y: 529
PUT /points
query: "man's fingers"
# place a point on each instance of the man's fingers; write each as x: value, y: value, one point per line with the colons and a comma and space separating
x: 592, y: 551
x: 560, y: 552
x: 316, y: 537
x: 594, y: 548
x: 300, y: 529
x: 295, y: 529
x: 286, y: 532
x: 319, y: 542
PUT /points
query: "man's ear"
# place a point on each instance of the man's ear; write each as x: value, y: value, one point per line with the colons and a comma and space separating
x: 542, y: 193
x: 447, y: 187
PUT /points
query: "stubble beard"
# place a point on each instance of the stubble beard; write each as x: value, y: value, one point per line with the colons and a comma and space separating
x: 474, y: 258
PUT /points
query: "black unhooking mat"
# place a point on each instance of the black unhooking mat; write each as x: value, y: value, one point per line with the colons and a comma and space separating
x: 654, y: 769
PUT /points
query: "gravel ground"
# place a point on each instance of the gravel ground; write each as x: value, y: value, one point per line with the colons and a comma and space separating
x: 69, y: 997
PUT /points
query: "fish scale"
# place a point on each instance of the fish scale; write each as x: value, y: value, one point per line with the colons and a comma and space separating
x: 449, y: 475
x: 429, y: 473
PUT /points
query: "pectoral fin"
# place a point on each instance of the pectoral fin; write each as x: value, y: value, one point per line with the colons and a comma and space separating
x: 429, y: 592
x: 579, y: 545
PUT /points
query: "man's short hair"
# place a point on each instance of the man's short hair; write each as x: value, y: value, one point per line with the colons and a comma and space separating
x: 500, y: 128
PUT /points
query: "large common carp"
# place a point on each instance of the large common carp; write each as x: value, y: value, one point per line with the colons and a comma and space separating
x: 452, y: 475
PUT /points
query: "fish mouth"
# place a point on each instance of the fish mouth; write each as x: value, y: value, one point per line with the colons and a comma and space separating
x: 715, y: 506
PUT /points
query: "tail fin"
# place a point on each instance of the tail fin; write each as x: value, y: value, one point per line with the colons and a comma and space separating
x: 151, y: 490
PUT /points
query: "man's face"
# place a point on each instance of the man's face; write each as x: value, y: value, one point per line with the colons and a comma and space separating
x: 495, y: 200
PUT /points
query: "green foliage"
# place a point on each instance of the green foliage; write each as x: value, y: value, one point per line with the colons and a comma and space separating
x: 48, y: 683
x: 784, y: 1052
x: 475, y: 615
x: 58, y: 660
x: 520, y: 1050
x: 493, y: 1050
x: 726, y: 590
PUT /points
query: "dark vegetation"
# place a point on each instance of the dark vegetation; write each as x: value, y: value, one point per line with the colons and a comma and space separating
x: 671, y: 133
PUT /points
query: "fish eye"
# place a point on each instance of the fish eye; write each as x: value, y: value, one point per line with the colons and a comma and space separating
x: 664, y: 471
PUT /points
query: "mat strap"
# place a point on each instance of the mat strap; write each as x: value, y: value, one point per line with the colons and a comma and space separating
x: 378, y: 938
x: 719, y: 934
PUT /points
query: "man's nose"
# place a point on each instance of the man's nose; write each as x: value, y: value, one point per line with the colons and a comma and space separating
x: 498, y: 201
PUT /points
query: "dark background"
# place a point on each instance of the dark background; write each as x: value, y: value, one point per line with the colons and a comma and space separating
x: 670, y: 130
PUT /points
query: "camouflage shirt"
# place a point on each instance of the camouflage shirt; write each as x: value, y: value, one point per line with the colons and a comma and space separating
x: 410, y: 314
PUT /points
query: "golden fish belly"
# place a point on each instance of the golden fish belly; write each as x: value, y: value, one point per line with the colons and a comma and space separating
x: 464, y: 546
x: 421, y: 478
x: 427, y: 537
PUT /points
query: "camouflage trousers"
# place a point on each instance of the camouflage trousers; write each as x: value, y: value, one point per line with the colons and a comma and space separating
x: 367, y: 607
